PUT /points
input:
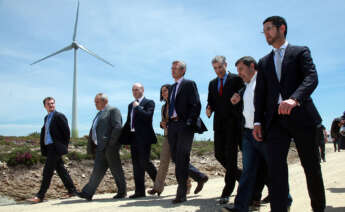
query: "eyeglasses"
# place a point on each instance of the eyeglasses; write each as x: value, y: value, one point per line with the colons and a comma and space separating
x: 267, y: 29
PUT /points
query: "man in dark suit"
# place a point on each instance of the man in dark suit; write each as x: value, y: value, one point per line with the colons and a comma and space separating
x: 284, y: 110
x: 139, y: 133
x: 55, y: 135
x: 184, y: 111
x: 226, y: 123
x: 103, y: 144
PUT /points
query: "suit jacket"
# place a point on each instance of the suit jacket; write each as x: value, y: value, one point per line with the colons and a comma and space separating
x: 221, y: 105
x: 59, y: 132
x: 187, y: 105
x: 298, y: 81
x: 108, y: 130
x: 143, y: 115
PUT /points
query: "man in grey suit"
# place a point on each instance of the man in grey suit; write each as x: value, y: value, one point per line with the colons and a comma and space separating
x: 104, y: 146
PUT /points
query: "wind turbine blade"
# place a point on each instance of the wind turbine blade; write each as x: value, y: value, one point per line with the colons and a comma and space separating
x: 76, y: 23
x: 93, y: 54
x: 58, y: 52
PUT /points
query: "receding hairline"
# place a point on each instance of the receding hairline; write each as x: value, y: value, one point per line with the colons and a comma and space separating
x: 138, y: 84
x: 102, y: 96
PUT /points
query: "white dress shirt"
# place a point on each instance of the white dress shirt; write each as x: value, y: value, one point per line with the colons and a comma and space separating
x: 282, y: 53
x: 177, y: 86
x: 139, y: 101
x: 248, y: 103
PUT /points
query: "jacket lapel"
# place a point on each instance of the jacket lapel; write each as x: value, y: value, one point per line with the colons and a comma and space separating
x: 285, y: 62
x: 180, y: 87
x: 272, y: 68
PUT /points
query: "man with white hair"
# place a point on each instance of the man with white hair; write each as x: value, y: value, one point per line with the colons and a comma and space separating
x: 104, y: 146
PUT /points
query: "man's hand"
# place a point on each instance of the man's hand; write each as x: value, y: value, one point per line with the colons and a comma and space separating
x: 286, y: 106
x: 236, y: 98
x: 208, y: 111
x: 257, y: 133
x: 163, y: 124
x: 135, y: 103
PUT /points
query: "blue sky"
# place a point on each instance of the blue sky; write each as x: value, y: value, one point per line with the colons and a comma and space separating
x: 142, y: 38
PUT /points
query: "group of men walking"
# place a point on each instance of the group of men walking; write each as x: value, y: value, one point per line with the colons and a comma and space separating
x: 259, y: 111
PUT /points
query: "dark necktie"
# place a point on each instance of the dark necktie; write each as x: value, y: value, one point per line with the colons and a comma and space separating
x: 133, y: 115
x: 172, y: 101
x: 221, y: 87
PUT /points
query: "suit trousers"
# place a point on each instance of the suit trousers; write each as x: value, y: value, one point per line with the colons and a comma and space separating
x: 140, y: 154
x: 226, y: 151
x: 277, y: 143
x: 180, y: 138
x: 54, y: 162
x: 107, y: 158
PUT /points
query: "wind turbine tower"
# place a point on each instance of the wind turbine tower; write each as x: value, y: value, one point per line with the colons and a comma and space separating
x: 74, y: 45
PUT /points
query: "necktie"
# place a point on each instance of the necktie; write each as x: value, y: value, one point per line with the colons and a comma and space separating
x: 133, y: 115
x: 221, y: 87
x: 94, y: 124
x: 278, y: 63
x: 172, y: 101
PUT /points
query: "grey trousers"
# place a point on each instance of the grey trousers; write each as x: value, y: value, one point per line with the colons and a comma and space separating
x: 108, y: 158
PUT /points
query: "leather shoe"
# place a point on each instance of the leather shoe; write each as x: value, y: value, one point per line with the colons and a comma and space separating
x: 84, y: 196
x: 223, y: 200
x: 72, y: 194
x: 134, y: 196
x: 35, y: 200
x: 179, y: 200
x: 200, y: 185
x: 120, y: 196
x: 229, y: 209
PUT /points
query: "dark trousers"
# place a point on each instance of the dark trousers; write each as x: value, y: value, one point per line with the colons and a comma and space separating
x: 107, y: 158
x: 261, y: 181
x: 141, y: 162
x: 226, y: 151
x: 180, y: 138
x: 54, y: 162
x: 277, y: 143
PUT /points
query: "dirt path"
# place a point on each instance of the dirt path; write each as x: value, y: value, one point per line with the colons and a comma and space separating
x: 333, y: 173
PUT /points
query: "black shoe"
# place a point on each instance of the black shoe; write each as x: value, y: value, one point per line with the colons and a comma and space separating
x: 229, y: 209
x: 120, y: 196
x: 200, y: 185
x: 84, y: 196
x: 134, y: 196
x: 179, y: 200
x: 72, y: 193
x: 223, y: 200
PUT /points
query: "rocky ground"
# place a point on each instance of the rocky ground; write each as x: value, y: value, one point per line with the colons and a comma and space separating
x: 23, y: 182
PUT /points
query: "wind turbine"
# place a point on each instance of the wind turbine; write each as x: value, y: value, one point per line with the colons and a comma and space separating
x: 74, y: 46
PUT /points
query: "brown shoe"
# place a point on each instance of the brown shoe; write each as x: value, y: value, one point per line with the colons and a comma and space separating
x: 35, y: 200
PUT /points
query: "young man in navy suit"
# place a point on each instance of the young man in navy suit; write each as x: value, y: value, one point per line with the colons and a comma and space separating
x: 283, y: 110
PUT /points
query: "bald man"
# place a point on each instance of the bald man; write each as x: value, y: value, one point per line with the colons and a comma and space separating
x: 138, y: 132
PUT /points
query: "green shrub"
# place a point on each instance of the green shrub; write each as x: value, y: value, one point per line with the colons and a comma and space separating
x: 23, y: 155
x: 34, y: 135
x: 78, y: 156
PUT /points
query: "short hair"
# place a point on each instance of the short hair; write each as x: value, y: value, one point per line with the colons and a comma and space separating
x: 181, y: 64
x: 139, y: 85
x: 247, y: 60
x: 47, y: 99
x: 219, y: 59
x: 102, y: 96
x: 164, y: 86
x: 277, y: 21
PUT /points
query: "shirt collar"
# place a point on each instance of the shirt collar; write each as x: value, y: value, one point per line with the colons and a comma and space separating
x: 179, y: 80
x: 141, y: 99
x: 252, y: 79
x: 51, y: 114
x: 225, y: 76
x: 282, y: 47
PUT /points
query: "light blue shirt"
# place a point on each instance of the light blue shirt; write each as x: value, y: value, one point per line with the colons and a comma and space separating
x: 224, y: 79
x: 47, y: 138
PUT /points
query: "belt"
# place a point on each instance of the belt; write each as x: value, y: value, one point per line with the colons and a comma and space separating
x: 174, y: 119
